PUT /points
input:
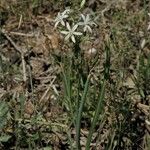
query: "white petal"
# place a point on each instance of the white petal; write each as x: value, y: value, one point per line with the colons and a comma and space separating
x: 62, y: 23
x: 85, y: 28
x: 56, y: 24
x: 68, y: 26
x: 83, y: 17
x: 89, y: 28
x: 143, y: 43
x: 67, y: 37
x: 87, y: 18
x: 64, y: 32
x: 73, y: 39
x: 74, y: 27
x: 147, y: 122
x: 93, y: 23
x: 55, y: 20
x: 58, y: 16
x: 81, y: 23
x: 65, y: 16
x: 77, y: 33
x: 66, y: 11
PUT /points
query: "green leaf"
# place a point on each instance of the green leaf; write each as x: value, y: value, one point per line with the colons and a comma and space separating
x: 4, y: 138
x: 82, y: 3
x: 47, y: 148
x: 3, y: 113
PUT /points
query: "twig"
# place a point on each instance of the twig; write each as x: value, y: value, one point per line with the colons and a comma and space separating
x: 20, y: 52
x: 12, y: 42
x: 21, y: 34
x: 45, y: 93
x: 23, y: 68
x: 20, y: 21
x: 144, y: 108
x: 18, y: 33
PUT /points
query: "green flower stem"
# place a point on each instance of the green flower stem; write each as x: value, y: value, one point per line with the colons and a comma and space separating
x: 79, y: 113
x: 96, y: 115
x: 101, y: 98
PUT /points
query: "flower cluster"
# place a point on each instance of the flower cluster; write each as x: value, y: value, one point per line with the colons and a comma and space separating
x: 63, y: 19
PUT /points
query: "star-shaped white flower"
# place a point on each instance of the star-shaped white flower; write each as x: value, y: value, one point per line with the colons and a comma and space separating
x: 71, y: 32
x: 87, y: 23
x: 60, y: 19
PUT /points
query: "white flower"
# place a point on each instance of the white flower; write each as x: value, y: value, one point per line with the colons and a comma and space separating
x: 87, y: 22
x: 60, y: 19
x: 71, y: 32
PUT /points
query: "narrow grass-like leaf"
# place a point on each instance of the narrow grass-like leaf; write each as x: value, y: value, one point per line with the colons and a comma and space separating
x: 96, y: 115
x: 1, y: 64
x: 111, y: 144
x: 82, y: 3
x: 4, y: 138
x: 3, y: 114
x: 79, y: 113
x: 68, y: 90
x: 101, y: 98
x: 22, y: 102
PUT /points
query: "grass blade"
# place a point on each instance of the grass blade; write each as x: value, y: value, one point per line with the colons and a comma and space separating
x: 79, y: 113
x: 97, y: 112
x: 101, y: 98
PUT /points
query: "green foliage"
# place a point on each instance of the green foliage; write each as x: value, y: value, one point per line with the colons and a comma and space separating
x: 4, y: 138
x: 100, y: 106
x: 80, y: 112
x: 82, y: 3
x: 3, y: 114
x: 143, y: 79
x: 96, y: 105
